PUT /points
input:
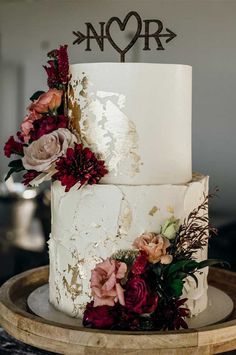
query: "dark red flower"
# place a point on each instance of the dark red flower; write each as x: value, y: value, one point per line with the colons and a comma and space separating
x: 63, y: 64
x: 20, y: 136
x: 170, y: 315
x: 140, y: 264
x: 58, y: 69
x: 53, y: 75
x: 103, y: 317
x: 47, y: 124
x: 29, y: 176
x: 79, y: 165
x: 128, y: 320
x: 139, y: 297
x: 13, y: 147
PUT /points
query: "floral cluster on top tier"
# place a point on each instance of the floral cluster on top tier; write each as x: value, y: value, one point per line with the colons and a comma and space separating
x: 46, y: 145
x: 141, y: 288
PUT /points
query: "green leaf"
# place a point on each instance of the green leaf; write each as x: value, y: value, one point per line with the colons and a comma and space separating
x: 16, y: 164
x: 211, y: 262
x: 182, y: 265
x: 10, y: 172
x: 158, y: 269
x: 36, y: 95
x: 176, y: 287
x: 15, y: 167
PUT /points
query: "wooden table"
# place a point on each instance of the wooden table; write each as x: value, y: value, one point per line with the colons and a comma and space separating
x: 16, y: 319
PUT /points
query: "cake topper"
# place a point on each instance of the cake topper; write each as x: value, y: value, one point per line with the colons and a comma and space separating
x: 105, y: 33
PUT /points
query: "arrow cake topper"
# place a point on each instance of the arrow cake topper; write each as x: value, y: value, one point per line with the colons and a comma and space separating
x: 105, y: 33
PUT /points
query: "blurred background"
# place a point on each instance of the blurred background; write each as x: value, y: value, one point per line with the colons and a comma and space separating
x: 206, y: 32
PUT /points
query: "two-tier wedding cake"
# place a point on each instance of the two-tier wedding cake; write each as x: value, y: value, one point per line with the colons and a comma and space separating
x: 129, y: 220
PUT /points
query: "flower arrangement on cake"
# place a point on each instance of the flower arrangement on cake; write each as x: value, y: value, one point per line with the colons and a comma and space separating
x: 47, y: 145
x: 139, y: 288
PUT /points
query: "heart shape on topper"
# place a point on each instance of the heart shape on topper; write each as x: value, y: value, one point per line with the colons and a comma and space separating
x: 122, y: 25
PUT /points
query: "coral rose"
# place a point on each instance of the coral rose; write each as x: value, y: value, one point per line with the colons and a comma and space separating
x: 27, y: 124
x: 138, y: 296
x: 48, y: 101
x: 105, y: 285
x: 42, y: 153
x: 155, y: 246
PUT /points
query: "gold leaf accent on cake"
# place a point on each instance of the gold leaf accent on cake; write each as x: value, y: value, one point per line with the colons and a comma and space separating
x: 104, y: 126
x: 58, y: 297
x: 74, y: 112
x: 78, y: 309
x: 170, y: 209
x: 73, y: 287
x: 153, y: 210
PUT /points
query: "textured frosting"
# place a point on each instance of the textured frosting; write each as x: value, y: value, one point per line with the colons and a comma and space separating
x: 137, y: 117
x: 91, y: 223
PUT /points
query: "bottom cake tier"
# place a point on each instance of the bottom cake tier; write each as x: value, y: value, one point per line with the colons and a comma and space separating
x: 91, y: 223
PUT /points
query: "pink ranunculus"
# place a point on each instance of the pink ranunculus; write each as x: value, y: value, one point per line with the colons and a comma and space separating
x: 42, y: 153
x: 27, y: 124
x: 48, y: 101
x: 155, y: 246
x: 105, y: 283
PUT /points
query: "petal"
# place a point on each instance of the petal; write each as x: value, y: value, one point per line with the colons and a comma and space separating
x: 166, y: 259
x: 120, y: 294
x: 104, y: 301
x: 121, y: 271
x: 110, y: 283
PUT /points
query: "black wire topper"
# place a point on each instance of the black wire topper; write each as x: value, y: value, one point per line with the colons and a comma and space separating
x: 105, y: 33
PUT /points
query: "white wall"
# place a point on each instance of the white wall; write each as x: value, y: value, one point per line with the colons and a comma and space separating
x: 206, y: 40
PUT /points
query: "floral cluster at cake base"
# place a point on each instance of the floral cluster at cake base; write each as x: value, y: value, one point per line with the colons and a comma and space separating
x: 46, y: 145
x: 141, y: 288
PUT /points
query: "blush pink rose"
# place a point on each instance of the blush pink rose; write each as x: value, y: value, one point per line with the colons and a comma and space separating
x: 42, y: 153
x: 105, y: 283
x: 48, y: 101
x: 27, y: 124
x: 155, y: 246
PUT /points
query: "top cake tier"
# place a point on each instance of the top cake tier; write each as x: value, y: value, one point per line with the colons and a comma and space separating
x: 137, y: 117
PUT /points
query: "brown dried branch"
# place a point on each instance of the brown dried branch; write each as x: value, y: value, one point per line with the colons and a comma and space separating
x: 194, y: 232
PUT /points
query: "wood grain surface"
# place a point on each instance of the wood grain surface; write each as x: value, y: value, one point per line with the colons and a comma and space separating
x: 17, y: 320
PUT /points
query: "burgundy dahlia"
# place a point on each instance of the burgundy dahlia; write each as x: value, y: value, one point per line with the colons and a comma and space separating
x: 139, y: 297
x: 29, y: 176
x: 170, y: 315
x: 13, y: 147
x: 103, y: 317
x: 47, y: 124
x: 80, y: 165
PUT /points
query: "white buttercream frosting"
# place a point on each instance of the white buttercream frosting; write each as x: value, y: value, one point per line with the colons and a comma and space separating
x: 137, y: 117
x: 91, y: 223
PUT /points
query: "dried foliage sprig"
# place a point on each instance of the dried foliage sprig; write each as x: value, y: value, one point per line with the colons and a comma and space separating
x: 194, y: 232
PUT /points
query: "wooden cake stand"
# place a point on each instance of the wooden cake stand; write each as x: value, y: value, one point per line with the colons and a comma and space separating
x: 19, y: 322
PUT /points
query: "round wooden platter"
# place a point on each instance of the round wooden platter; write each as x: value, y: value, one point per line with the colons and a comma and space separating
x: 17, y: 320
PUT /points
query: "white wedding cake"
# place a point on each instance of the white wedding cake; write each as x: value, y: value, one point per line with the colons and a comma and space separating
x: 137, y: 118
